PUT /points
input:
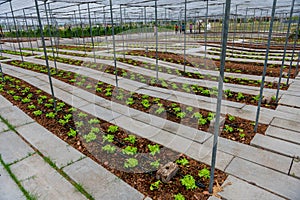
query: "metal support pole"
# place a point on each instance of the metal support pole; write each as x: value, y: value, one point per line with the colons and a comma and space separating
x: 294, y: 48
x: 105, y: 31
x: 265, y: 66
x: 50, y: 35
x: 284, y: 52
x: 27, y: 29
x: 121, y: 24
x: 81, y: 26
x: 206, y: 21
x: 145, y: 12
x: 114, y: 43
x: 156, y: 42
x: 184, y: 32
x: 17, y: 31
x: 220, y: 94
x: 91, y: 31
x: 297, y: 66
x: 245, y: 22
x: 45, y: 53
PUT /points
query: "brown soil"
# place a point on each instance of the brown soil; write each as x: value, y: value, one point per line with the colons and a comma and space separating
x: 79, y: 48
x: 136, y: 177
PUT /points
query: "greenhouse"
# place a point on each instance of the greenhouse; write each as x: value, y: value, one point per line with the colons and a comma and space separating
x: 149, y: 99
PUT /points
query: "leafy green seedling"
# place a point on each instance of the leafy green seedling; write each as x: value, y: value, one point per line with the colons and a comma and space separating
x: 228, y: 129
x: 81, y: 114
x: 189, y: 182
x: 155, y: 185
x: 94, y: 121
x: 129, y: 150
x: 31, y: 107
x: 72, y: 133
x: 131, y: 139
x: 205, y: 173
x: 131, y: 163
x: 154, y: 149
x: 91, y: 136
x: 179, y: 196
x: 231, y: 118
x: 182, y: 161
x: 79, y: 124
x: 112, y: 129
x: 108, y: 138
x: 37, y: 112
x: 50, y: 115
x: 155, y: 164
x: 109, y: 148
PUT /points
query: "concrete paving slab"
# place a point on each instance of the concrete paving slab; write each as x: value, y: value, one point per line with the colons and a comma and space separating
x: 13, y: 148
x: 240, y: 189
x: 49, y: 145
x: 288, y: 109
x: 4, y: 103
x: 276, y: 145
x: 42, y: 181
x: 268, y: 179
x: 15, y: 116
x: 290, y: 100
x: 3, y: 127
x: 286, y: 124
x: 284, y: 134
x: 100, y: 112
x: 295, y: 170
x: 8, y: 188
x: 256, y: 155
x: 99, y: 182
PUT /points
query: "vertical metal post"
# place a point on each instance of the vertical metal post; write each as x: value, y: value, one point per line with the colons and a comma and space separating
x: 156, y: 42
x: 45, y: 52
x: 81, y: 26
x: 27, y: 29
x: 114, y: 42
x: 105, y: 31
x: 245, y: 22
x: 145, y: 12
x: 284, y: 52
x: 294, y: 48
x: 220, y: 94
x: 91, y: 31
x: 50, y: 35
x: 17, y: 31
x: 297, y: 65
x: 1, y: 72
x: 184, y: 33
x: 265, y: 65
x: 121, y: 25
x: 206, y: 22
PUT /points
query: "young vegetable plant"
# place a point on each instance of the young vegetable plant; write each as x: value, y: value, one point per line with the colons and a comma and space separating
x: 155, y: 164
x: 155, y: 185
x: 109, y: 148
x: 228, y: 129
x: 231, y: 118
x: 112, y: 129
x: 72, y: 133
x: 205, y: 173
x: 189, y: 182
x: 129, y: 150
x: 51, y: 115
x: 108, y: 138
x: 182, y: 161
x: 37, y: 112
x: 94, y: 121
x: 179, y: 196
x: 91, y: 136
x: 131, y: 163
x: 240, y: 96
x: 154, y: 149
x: 131, y: 139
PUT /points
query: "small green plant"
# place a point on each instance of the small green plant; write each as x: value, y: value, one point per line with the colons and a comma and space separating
x: 131, y: 163
x: 179, y: 196
x: 231, y: 118
x: 131, y: 139
x: 31, y: 107
x: 109, y: 148
x: 182, y: 161
x: 37, y: 112
x: 256, y: 98
x: 154, y: 149
x: 155, y: 185
x: 145, y: 103
x: 240, y: 96
x: 91, y: 136
x: 210, y: 116
x: 197, y: 115
x: 228, y: 129
x: 189, y: 109
x: 16, y: 98
x: 94, y: 121
x: 63, y: 121
x: 189, y: 182
x: 95, y: 130
x: 160, y: 110
x: 81, y: 114
x: 50, y: 115
x: 205, y: 173
x: 202, y: 121
x: 155, y: 164
x: 112, y: 129
x: 130, y: 101
x: 72, y: 133
x: 108, y: 138
x: 181, y: 115
x: 79, y: 124
x: 129, y: 150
